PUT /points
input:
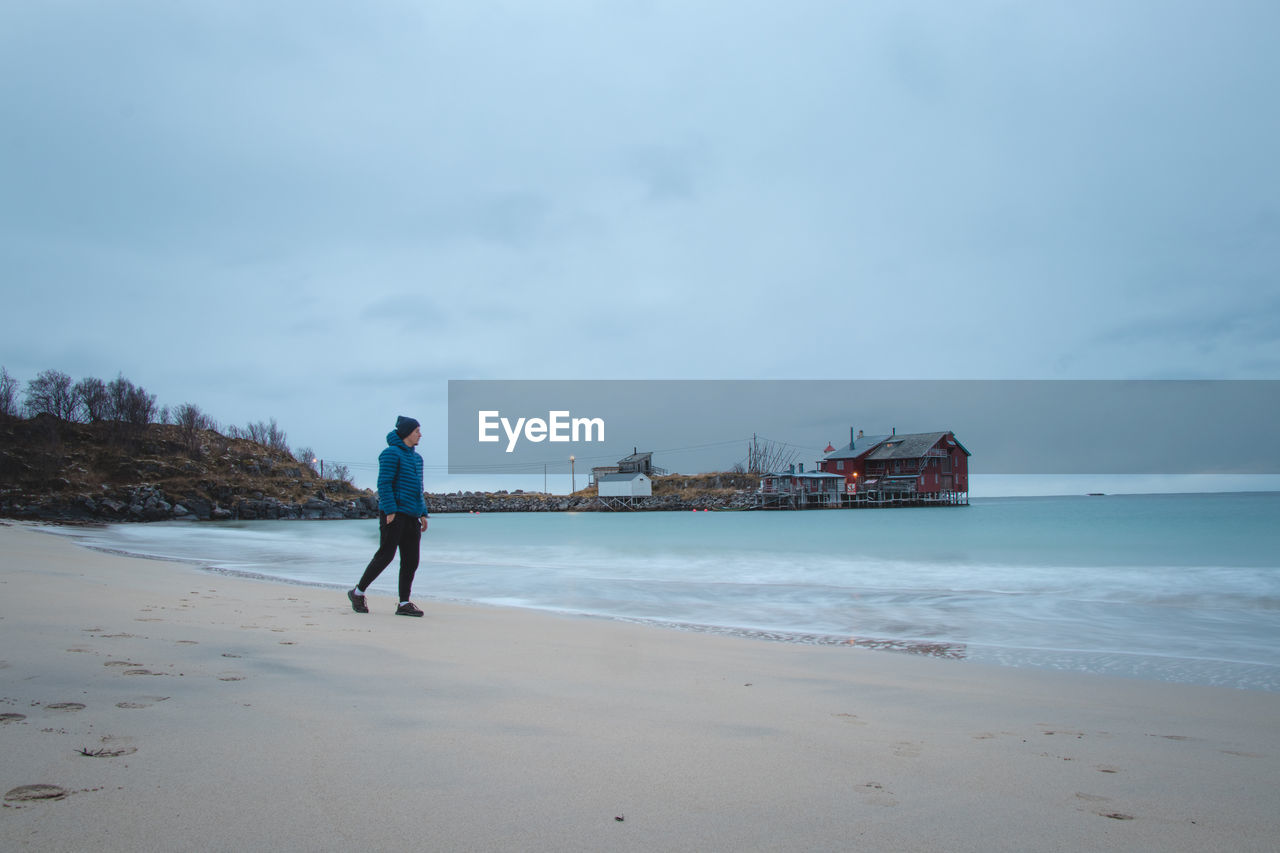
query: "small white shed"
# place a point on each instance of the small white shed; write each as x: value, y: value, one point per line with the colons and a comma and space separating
x: 633, y: 485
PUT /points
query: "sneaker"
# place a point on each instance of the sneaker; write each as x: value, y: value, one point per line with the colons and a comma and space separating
x: 409, y: 609
x: 357, y: 602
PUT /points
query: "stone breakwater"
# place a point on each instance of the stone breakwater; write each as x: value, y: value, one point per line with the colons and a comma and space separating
x: 484, y: 502
x: 151, y: 503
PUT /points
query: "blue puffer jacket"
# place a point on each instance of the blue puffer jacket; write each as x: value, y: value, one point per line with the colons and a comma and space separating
x: 400, y: 478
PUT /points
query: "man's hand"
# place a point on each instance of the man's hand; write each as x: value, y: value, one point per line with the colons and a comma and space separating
x: 391, y: 516
x: 424, y: 524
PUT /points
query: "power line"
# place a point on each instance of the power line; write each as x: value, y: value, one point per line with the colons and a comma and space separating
x: 537, y: 465
x: 805, y: 447
x: 499, y: 467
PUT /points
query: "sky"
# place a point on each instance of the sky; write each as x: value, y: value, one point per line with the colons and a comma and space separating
x: 322, y: 212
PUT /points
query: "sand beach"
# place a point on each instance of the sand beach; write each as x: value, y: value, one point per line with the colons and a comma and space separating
x: 147, y: 705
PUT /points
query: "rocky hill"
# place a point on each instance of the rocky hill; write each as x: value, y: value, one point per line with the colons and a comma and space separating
x: 57, y: 470
x: 54, y: 469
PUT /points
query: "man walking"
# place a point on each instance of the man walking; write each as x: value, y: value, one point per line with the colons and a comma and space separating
x: 402, y: 515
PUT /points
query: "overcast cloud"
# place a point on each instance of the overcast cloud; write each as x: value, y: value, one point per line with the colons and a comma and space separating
x: 321, y: 212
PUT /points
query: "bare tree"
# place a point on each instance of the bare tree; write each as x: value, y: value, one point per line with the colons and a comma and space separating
x: 51, y: 392
x: 8, y: 394
x: 191, y: 422
x: 276, y: 439
x: 340, y: 472
x: 118, y: 397
x: 268, y: 434
x: 307, y: 457
x: 94, y: 401
x: 256, y: 432
x: 764, y: 456
x: 129, y: 403
x: 142, y: 407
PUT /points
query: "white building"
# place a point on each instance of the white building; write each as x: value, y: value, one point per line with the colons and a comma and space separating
x: 632, y: 485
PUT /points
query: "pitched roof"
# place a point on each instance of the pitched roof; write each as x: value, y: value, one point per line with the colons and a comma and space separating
x: 857, y: 447
x: 619, y: 478
x: 911, y: 446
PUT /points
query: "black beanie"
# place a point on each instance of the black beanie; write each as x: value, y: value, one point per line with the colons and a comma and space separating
x: 404, y: 426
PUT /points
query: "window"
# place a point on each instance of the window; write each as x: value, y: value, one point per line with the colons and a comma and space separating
x: 840, y: 465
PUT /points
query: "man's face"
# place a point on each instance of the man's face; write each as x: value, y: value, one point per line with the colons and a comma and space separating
x: 414, y: 437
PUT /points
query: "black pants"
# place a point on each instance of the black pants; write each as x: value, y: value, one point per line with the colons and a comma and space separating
x: 404, y: 533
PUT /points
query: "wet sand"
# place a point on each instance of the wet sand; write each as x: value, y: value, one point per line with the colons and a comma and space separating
x: 150, y: 705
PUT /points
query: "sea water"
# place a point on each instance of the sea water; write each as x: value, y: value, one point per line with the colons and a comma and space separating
x: 1171, y: 587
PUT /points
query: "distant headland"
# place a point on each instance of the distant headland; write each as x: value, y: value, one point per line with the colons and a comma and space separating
x: 59, y: 470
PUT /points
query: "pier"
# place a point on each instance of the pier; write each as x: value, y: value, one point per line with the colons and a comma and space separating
x: 800, y: 499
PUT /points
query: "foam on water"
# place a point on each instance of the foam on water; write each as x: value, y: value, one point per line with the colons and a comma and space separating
x: 1179, y: 588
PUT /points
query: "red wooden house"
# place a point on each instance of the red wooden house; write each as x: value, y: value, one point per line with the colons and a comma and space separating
x: 926, y: 467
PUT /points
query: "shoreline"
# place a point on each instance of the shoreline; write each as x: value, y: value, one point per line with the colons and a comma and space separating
x: 73, y: 510
x: 1142, y: 665
x: 232, y: 713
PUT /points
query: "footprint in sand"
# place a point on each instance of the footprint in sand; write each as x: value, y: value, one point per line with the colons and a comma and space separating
x: 148, y: 700
x: 35, y: 793
x: 106, y: 751
x: 121, y: 663
x: 230, y: 677
x: 112, y: 747
x: 141, y: 672
x: 876, y: 794
x: 64, y: 706
x: 906, y: 749
x: 12, y: 718
x: 1096, y: 799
